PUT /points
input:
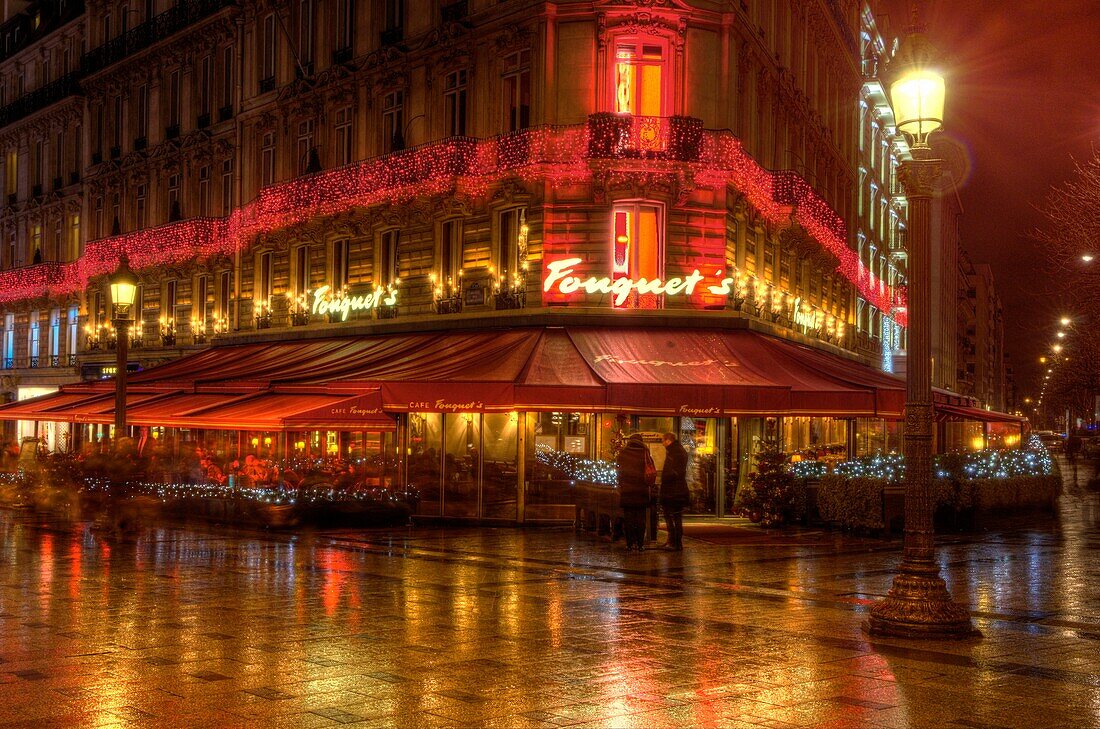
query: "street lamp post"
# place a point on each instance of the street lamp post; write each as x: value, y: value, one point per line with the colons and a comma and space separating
x: 918, y: 604
x: 123, y: 288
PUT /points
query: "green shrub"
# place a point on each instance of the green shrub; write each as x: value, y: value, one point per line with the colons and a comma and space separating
x: 852, y: 503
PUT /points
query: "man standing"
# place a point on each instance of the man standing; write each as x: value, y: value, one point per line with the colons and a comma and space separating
x: 634, y: 489
x: 674, y: 490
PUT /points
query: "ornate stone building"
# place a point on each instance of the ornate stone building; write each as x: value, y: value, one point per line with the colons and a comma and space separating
x: 281, y: 171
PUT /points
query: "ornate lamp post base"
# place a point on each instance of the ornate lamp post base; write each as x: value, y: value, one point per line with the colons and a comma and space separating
x: 919, y: 606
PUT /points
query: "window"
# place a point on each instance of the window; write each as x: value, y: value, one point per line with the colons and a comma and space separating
x: 267, y: 159
x: 305, y: 34
x: 11, y: 168
x: 116, y: 121
x: 305, y: 145
x: 140, y: 206
x: 174, y: 210
x: 105, y: 26
x: 340, y: 264
x: 387, y: 258
x: 454, y: 102
x: 225, y: 294
x: 74, y: 329
x: 345, y: 24
x: 11, y: 260
x: 636, y: 248
x: 395, y: 14
x: 450, y: 251
x: 36, y: 170
x: 639, y: 82
x: 344, y: 139
x: 206, y: 84
x: 143, y: 111
x: 168, y: 308
x: 33, y: 343
x: 301, y: 270
x: 74, y: 238
x: 55, y: 333
x: 268, y: 57
x: 264, y: 279
x: 517, y: 91
x: 198, y: 308
x: 97, y: 220
x: 509, y: 257
x: 175, y: 88
x: 393, y: 121
x: 227, y: 78
x: 59, y: 155
x: 9, y: 341
x: 204, y: 191
x: 227, y: 186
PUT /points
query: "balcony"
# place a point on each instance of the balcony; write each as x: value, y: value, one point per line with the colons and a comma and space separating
x: 29, y: 103
x: 677, y: 138
x: 140, y: 37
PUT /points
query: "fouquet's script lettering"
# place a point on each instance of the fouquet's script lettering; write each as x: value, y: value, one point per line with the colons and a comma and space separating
x: 323, y: 304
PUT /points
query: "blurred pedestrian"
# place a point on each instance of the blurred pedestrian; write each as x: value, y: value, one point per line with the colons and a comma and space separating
x: 634, y: 463
x: 674, y: 490
x: 1073, y: 447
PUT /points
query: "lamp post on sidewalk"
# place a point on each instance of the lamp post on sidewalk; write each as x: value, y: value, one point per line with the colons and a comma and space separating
x: 918, y: 604
x: 123, y: 288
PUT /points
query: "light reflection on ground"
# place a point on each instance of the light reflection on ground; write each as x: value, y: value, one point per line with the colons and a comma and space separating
x: 465, y: 627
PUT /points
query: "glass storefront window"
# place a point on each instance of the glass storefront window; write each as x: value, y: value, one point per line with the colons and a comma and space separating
x: 816, y: 439
x: 500, y: 465
x: 425, y: 444
x: 875, y: 435
x: 461, y: 464
x: 548, y: 491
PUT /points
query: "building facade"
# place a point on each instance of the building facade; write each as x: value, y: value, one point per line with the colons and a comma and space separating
x: 327, y: 169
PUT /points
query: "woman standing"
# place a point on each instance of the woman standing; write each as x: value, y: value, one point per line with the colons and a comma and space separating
x: 634, y: 464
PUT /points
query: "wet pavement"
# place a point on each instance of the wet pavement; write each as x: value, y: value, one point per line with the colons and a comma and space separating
x: 426, y: 627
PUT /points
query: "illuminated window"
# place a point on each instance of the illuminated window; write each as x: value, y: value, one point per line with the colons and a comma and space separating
x: 199, y: 309
x: 639, y: 78
x: 33, y: 339
x: 636, y: 248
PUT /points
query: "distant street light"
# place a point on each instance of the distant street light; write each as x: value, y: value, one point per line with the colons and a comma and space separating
x: 123, y: 288
x: 1087, y: 258
x: 918, y: 604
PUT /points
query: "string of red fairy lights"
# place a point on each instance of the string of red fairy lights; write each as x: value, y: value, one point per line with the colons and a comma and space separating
x: 561, y: 155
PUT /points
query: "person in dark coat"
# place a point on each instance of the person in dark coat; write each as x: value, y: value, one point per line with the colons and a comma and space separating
x: 674, y: 490
x: 633, y: 489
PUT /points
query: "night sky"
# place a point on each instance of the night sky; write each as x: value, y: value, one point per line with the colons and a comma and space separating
x: 1024, y: 100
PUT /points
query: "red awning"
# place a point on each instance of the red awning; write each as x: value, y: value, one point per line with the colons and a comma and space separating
x: 54, y: 407
x: 291, y: 411
x: 313, y: 384
x: 946, y: 411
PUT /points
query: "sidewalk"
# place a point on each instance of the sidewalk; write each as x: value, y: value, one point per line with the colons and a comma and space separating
x: 431, y: 627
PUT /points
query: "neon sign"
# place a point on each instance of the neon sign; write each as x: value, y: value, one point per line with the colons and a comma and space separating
x: 561, y: 279
x: 342, y: 304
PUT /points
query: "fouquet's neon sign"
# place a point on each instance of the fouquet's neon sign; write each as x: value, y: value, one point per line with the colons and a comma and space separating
x: 341, y: 304
x: 560, y: 277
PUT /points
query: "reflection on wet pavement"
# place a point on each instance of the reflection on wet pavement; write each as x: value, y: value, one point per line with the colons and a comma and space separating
x: 429, y: 627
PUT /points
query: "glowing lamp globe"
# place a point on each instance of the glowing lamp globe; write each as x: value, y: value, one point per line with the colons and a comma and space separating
x: 918, y: 90
x: 124, y: 284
